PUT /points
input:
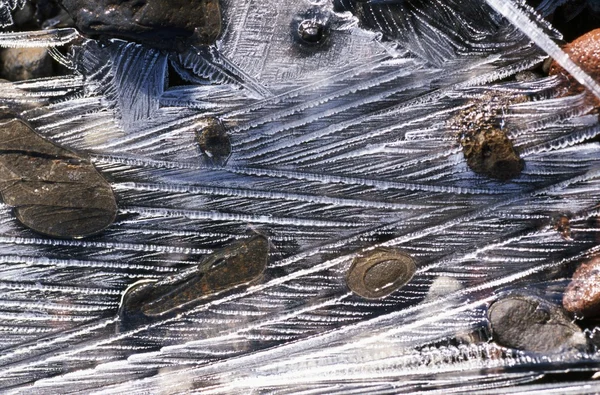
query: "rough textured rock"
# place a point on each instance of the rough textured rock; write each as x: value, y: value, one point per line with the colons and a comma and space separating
x: 157, y: 23
x: 25, y: 63
x: 53, y: 190
x: 486, y: 146
x: 585, y: 51
x: 531, y: 323
x: 582, y: 296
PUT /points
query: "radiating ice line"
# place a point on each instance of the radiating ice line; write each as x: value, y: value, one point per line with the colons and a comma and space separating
x: 221, y: 216
x: 275, y: 195
x: 517, y: 17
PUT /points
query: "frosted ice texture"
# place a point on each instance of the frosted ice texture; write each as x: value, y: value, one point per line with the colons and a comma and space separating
x: 335, y: 151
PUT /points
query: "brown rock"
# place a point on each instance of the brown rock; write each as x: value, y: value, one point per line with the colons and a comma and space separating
x: 156, y: 23
x: 582, y: 296
x: 585, y: 52
x: 486, y: 146
x: 25, y: 63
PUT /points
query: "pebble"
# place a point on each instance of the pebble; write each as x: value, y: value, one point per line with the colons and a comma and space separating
x: 584, y: 51
x: 379, y: 272
x: 214, y: 142
x: 160, y: 24
x: 52, y: 190
x: 486, y: 146
x: 236, y: 264
x: 582, y: 295
x: 25, y: 63
x: 531, y: 323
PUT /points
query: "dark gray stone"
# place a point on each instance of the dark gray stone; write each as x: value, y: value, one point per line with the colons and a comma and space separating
x: 239, y: 263
x: 214, y: 142
x: 53, y: 190
x: 531, y: 323
x: 156, y: 23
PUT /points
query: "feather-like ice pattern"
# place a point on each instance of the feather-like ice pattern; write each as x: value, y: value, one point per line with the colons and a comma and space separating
x: 6, y: 8
x: 336, y: 149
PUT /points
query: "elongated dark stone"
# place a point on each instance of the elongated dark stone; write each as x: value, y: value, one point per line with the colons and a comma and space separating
x: 156, y: 23
x: 54, y: 191
x: 239, y: 263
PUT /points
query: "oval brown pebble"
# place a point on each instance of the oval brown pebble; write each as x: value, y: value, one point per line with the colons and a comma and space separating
x: 380, y: 272
x: 582, y: 295
x: 52, y: 190
x: 239, y: 263
x: 585, y: 52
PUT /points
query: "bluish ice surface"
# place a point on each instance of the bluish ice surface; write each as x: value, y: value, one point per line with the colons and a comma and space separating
x: 336, y: 150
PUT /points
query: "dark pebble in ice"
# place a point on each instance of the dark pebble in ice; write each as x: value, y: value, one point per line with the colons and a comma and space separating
x: 582, y: 296
x: 531, y: 323
x: 156, y: 23
x: 491, y: 153
x: 486, y: 146
x: 380, y: 272
x: 54, y: 191
x: 214, y: 142
x: 239, y: 263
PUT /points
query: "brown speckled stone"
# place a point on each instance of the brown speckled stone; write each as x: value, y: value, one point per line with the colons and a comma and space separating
x: 582, y: 296
x: 585, y: 51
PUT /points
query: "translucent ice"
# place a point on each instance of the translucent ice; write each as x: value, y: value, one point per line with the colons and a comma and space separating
x: 341, y: 142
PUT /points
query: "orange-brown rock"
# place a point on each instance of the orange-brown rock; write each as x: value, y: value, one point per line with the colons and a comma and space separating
x: 582, y: 296
x: 584, y: 51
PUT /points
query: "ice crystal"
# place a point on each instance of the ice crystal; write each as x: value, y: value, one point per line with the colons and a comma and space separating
x: 337, y: 149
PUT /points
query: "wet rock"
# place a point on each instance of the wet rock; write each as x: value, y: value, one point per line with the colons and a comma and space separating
x: 312, y: 28
x: 562, y: 224
x: 214, y: 142
x: 585, y: 51
x: 531, y: 323
x: 156, y: 23
x: 25, y: 63
x: 53, y: 191
x: 486, y: 146
x: 582, y: 295
x: 379, y: 272
x: 239, y: 263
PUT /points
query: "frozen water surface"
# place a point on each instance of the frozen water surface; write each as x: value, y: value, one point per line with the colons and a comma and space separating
x: 336, y: 149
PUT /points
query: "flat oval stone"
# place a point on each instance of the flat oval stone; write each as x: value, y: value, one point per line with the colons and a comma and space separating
x: 582, y: 295
x: 156, y: 23
x: 380, y: 272
x: 239, y: 263
x: 52, y: 190
x: 531, y: 323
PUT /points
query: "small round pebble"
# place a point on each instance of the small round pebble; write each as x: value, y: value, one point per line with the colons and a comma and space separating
x: 582, y: 296
x: 25, y: 63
